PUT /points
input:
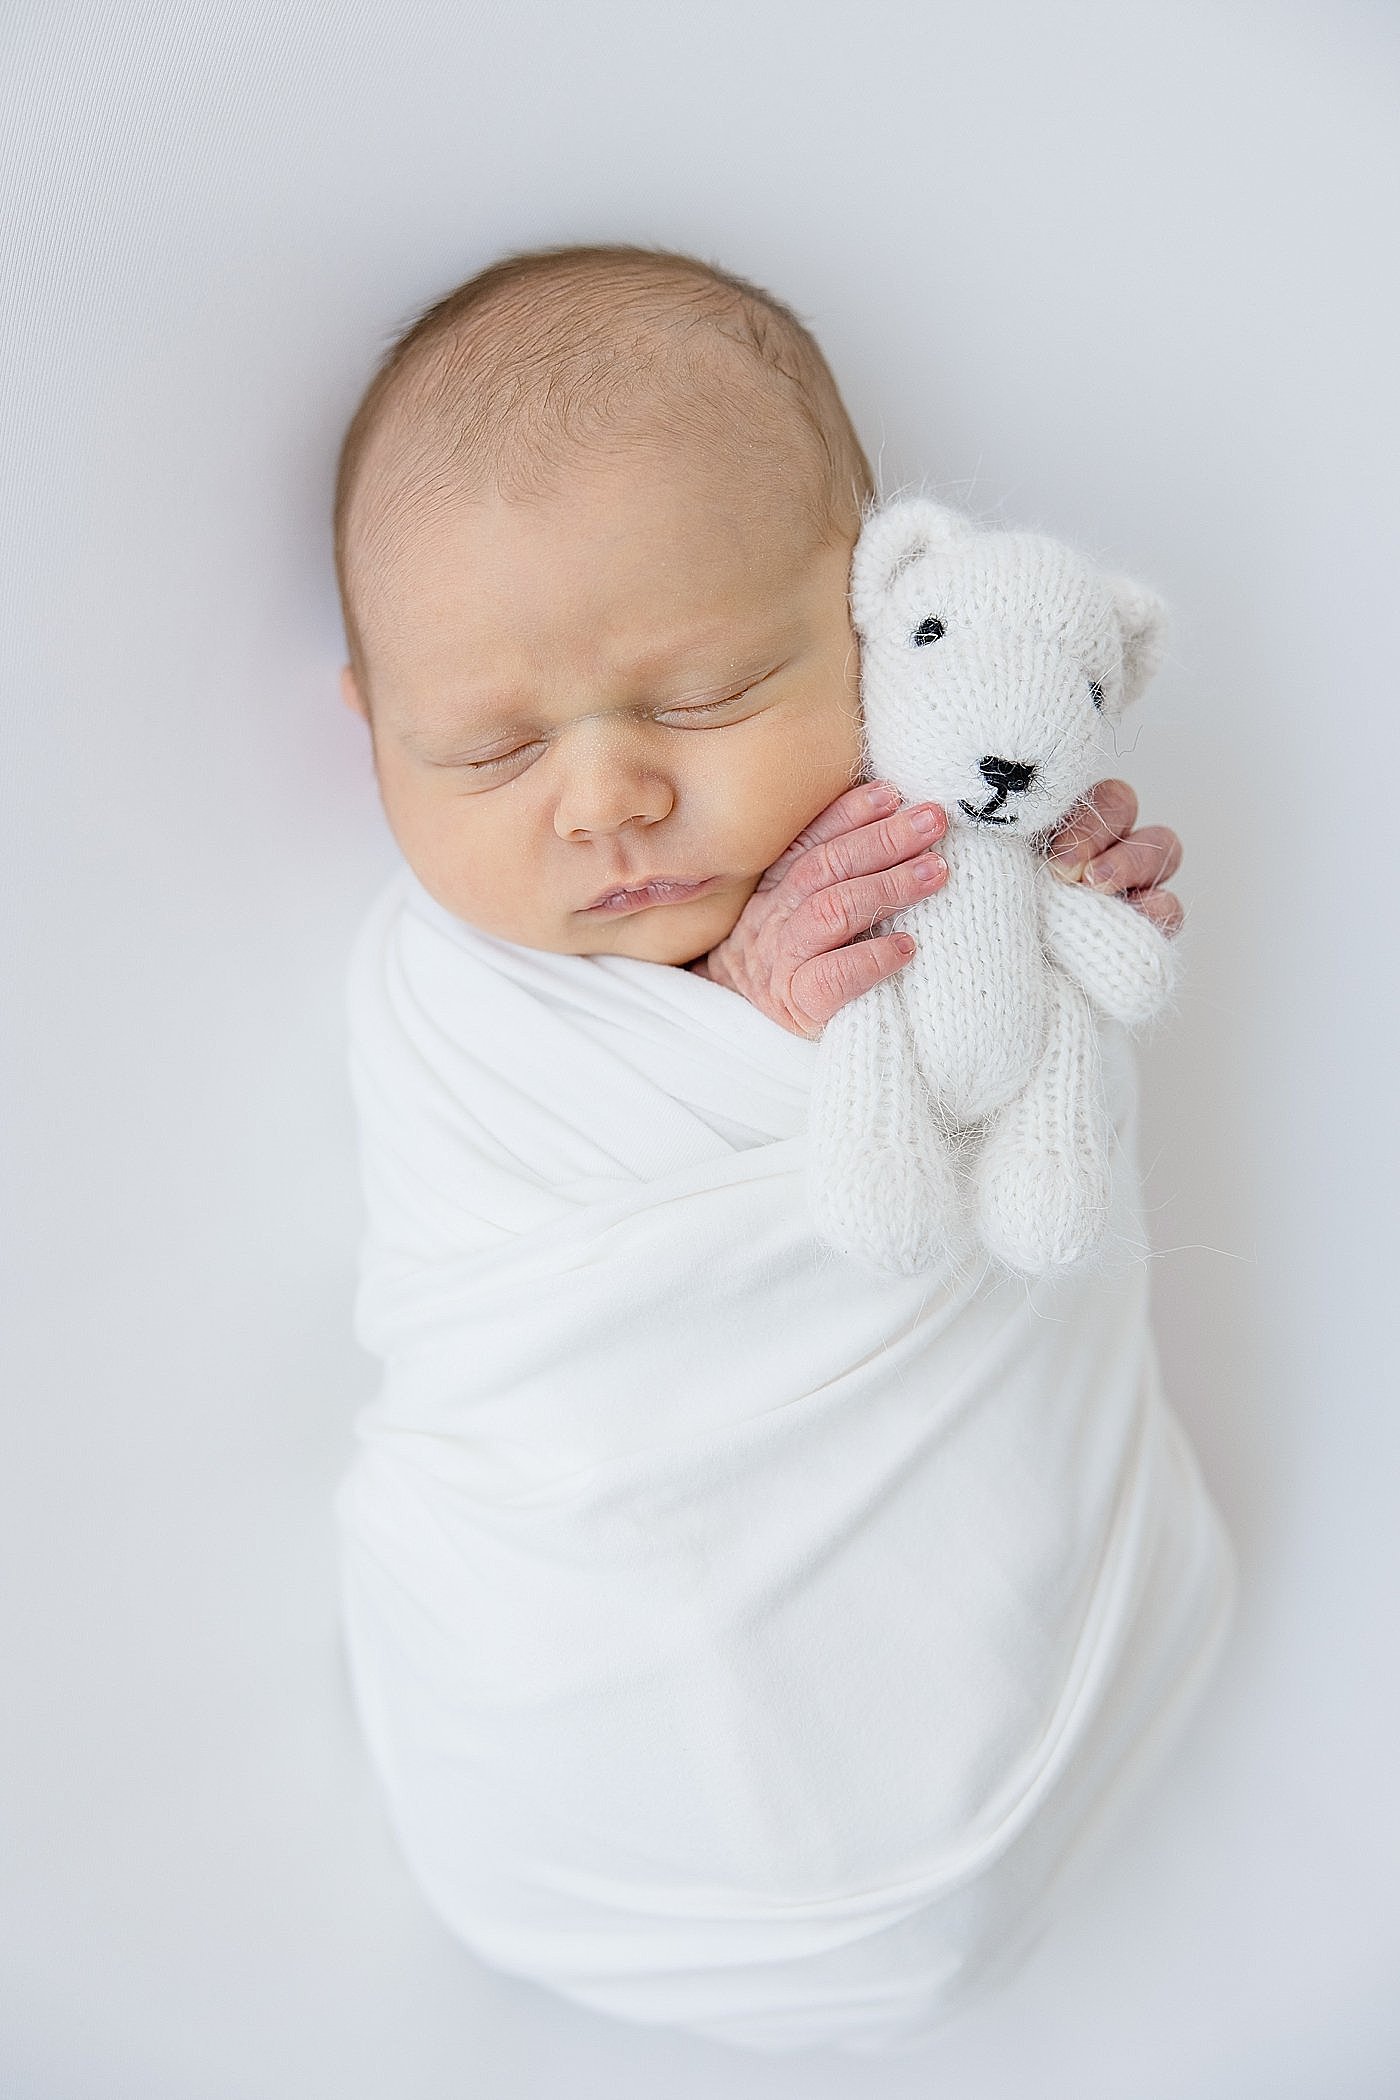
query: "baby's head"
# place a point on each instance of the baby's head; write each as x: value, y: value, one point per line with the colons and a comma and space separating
x: 593, y: 530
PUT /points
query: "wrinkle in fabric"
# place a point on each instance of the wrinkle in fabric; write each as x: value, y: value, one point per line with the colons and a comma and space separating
x: 725, y: 1619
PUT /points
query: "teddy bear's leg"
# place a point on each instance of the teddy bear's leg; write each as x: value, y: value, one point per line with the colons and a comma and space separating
x: 1042, y: 1180
x: 881, y: 1182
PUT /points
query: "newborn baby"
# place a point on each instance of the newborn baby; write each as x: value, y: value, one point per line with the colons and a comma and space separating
x: 745, y: 1642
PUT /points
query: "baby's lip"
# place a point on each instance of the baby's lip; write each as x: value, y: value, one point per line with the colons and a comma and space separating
x: 618, y: 889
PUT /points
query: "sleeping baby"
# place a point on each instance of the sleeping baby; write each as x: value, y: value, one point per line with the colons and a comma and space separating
x: 746, y: 1642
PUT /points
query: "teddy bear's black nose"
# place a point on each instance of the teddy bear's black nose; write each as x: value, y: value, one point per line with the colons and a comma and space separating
x: 1003, y: 774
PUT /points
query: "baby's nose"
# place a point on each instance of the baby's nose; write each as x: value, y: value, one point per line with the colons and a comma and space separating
x: 1004, y: 773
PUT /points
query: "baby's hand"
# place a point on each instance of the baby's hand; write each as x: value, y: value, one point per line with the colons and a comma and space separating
x: 799, y: 949
x: 804, y: 944
x: 1096, y: 844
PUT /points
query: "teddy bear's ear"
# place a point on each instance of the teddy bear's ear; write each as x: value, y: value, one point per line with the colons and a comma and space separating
x: 1142, y: 628
x: 892, y: 537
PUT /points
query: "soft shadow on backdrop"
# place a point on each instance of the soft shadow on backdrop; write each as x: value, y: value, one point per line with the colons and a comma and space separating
x: 1125, y: 275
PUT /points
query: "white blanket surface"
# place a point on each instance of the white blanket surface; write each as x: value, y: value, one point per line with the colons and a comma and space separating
x: 745, y: 1641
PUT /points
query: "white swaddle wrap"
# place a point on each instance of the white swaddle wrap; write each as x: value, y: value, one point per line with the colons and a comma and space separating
x: 745, y: 1641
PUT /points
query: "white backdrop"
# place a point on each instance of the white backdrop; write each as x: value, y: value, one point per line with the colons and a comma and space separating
x: 1122, y: 273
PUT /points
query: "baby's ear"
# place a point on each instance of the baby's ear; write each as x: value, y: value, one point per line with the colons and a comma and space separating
x: 1142, y: 628
x: 892, y: 537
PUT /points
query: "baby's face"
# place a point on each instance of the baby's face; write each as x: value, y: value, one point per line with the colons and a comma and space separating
x: 651, y: 673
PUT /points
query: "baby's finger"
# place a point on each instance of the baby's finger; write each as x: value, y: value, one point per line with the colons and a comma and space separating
x: 1140, y: 862
x: 855, y: 806
x: 823, y: 878
x: 1164, y: 909
x: 1106, y: 814
x: 827, y: 982
x: 834, y: 911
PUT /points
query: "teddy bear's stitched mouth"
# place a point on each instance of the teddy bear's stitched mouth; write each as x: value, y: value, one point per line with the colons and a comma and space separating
x: 984, y: 816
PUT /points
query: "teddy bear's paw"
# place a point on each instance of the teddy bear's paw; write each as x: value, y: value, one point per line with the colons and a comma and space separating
x: 1039, y: 1208
x: 1151, y: 971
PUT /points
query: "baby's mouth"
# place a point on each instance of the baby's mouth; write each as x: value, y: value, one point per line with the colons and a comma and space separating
x: 651, y: 893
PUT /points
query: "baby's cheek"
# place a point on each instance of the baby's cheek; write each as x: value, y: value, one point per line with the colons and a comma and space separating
x: 728, y: 907
x: 829, y: 759
x: 812, y: 757
x: 808, y: 791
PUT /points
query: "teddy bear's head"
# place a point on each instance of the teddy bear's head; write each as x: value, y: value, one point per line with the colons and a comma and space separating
x: 993, y: 664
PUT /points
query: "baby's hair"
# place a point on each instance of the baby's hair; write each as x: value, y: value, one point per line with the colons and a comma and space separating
x: 552, y: 355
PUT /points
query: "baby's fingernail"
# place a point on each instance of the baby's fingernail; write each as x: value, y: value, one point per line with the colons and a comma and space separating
x: 1068, y: 870
x: 880, y: 797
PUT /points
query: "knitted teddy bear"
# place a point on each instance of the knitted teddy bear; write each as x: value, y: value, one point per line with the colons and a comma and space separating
x: 966, y: 1088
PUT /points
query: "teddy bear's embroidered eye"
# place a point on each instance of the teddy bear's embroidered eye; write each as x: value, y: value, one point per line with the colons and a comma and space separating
x: 1096, y: 694
x: 928, y: 630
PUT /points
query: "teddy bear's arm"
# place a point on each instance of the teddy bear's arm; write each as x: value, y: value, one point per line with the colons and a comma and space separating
x: 1125, y: 964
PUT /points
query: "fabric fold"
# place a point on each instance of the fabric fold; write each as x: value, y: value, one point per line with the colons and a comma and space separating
x: 732, y: 1627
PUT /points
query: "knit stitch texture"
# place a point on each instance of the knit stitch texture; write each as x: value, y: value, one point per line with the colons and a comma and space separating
x: 958, y: 1105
